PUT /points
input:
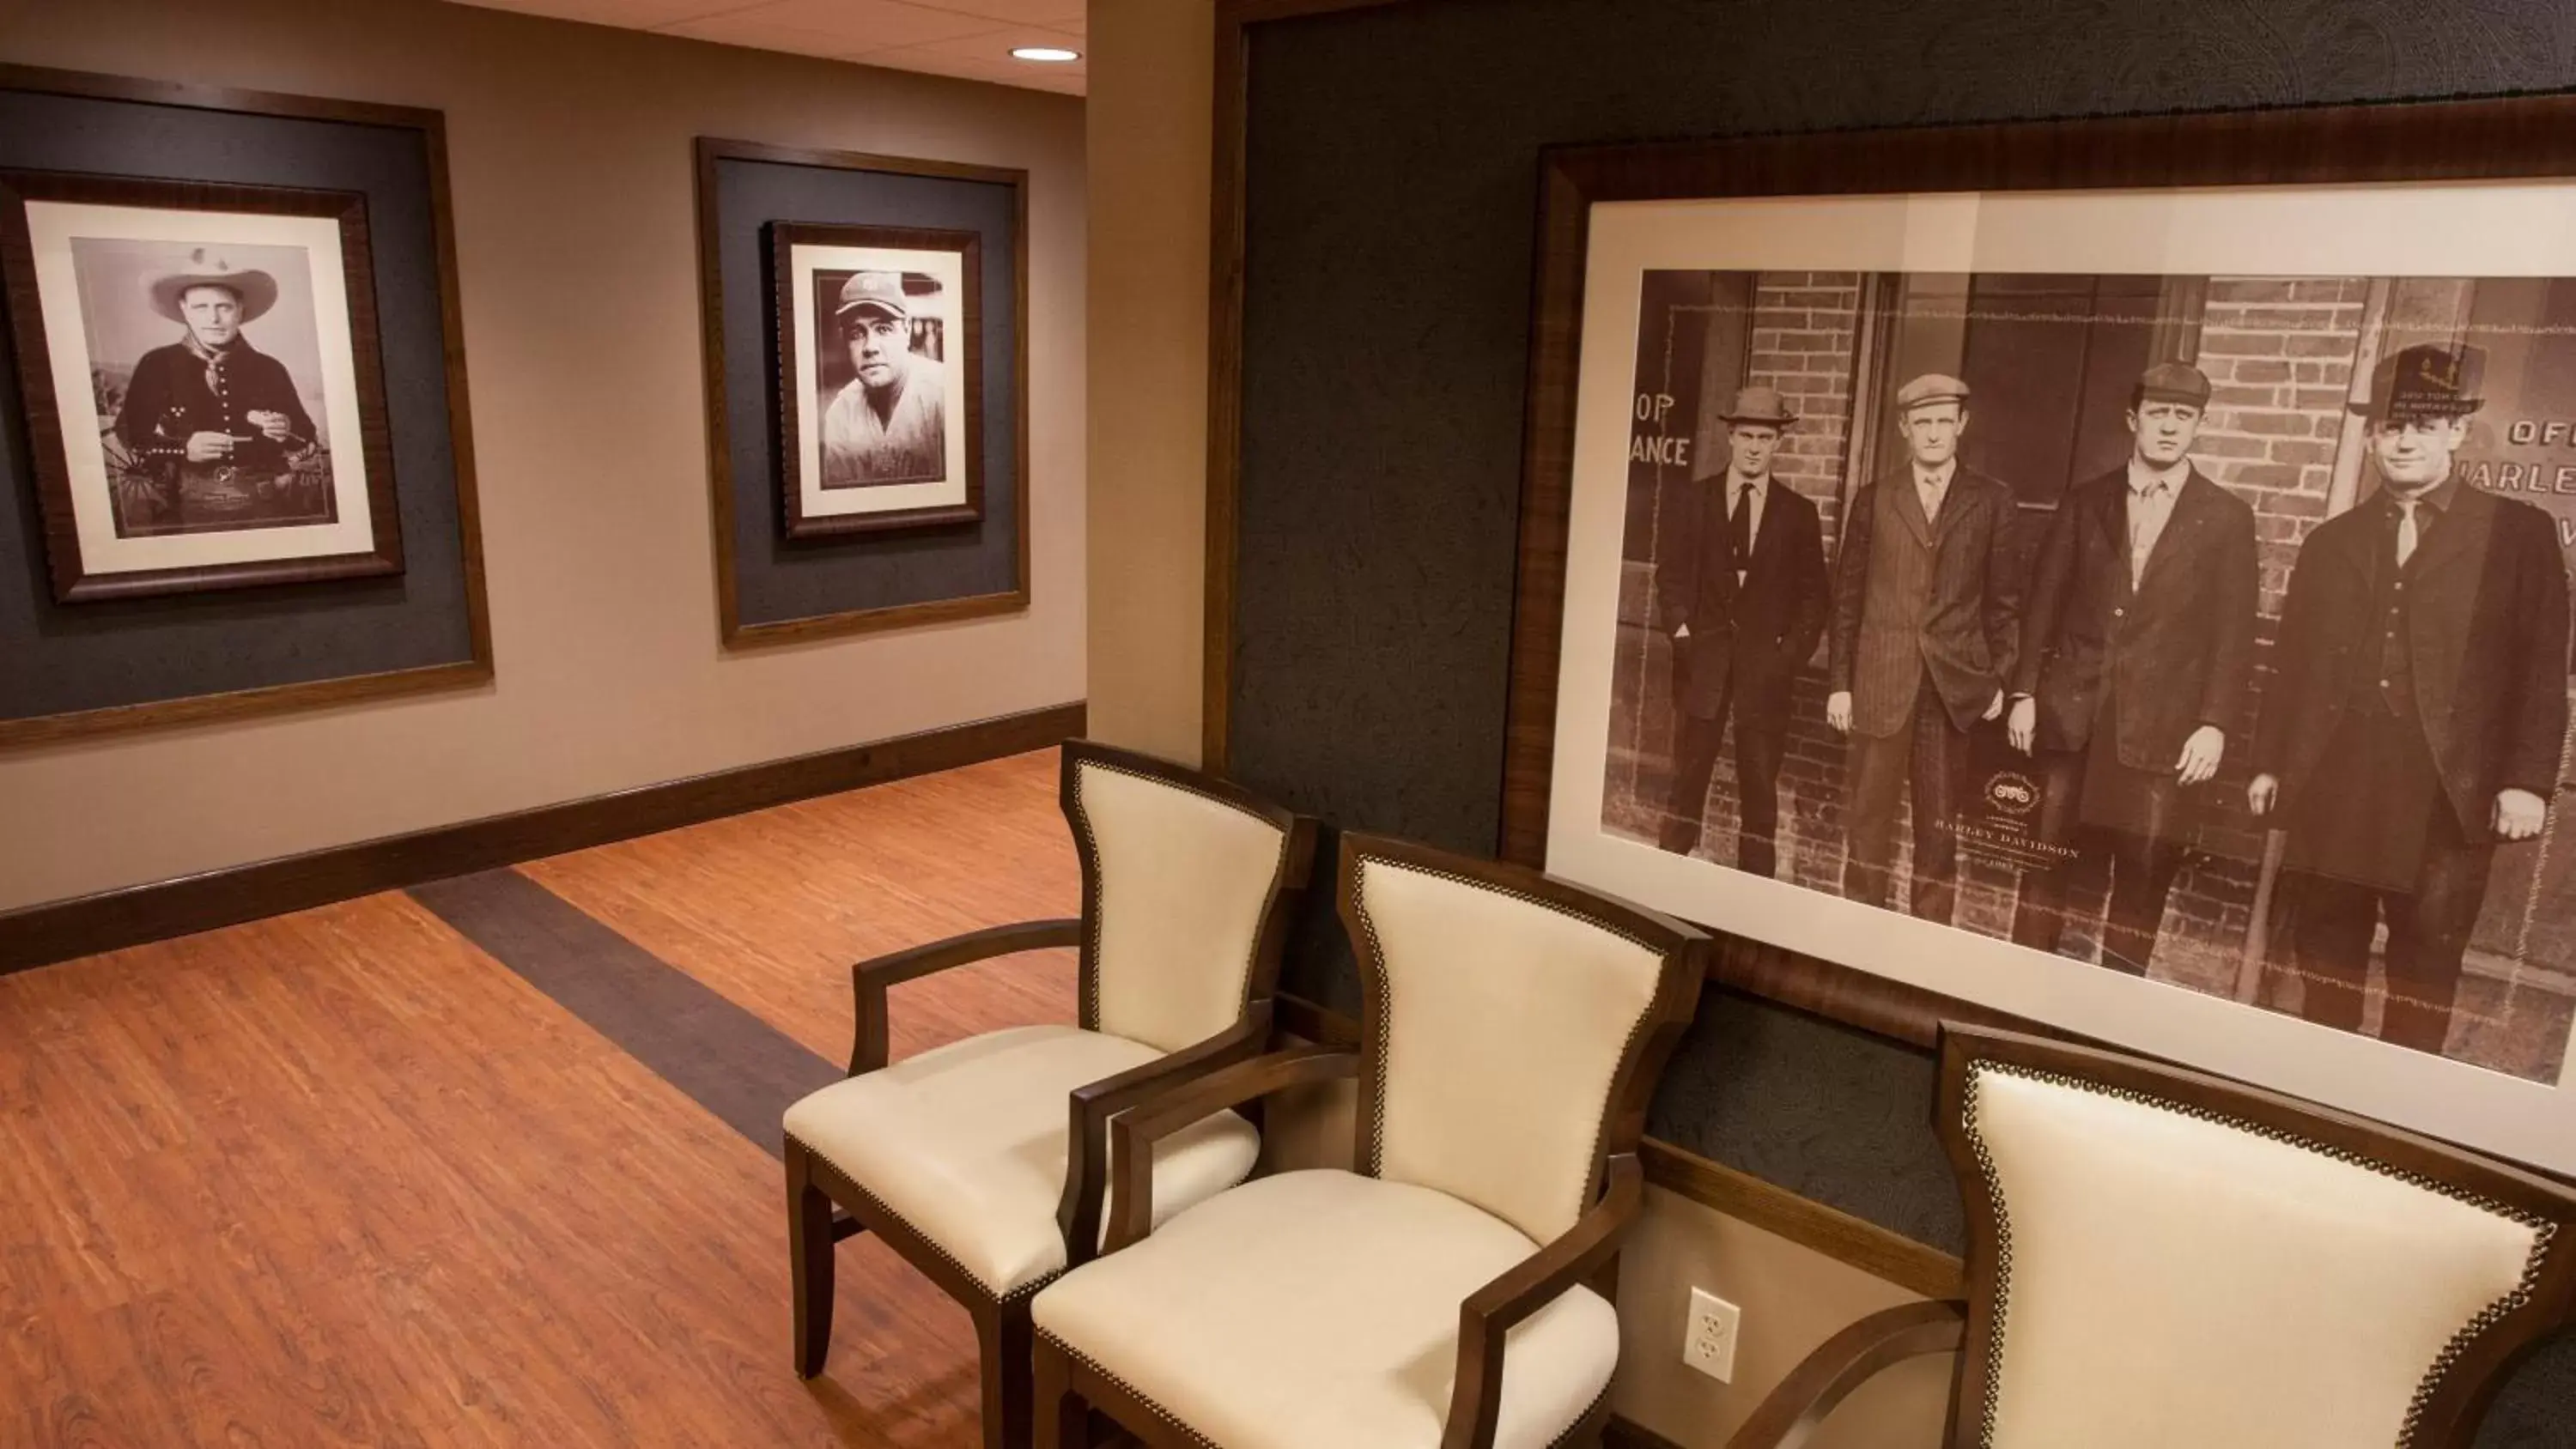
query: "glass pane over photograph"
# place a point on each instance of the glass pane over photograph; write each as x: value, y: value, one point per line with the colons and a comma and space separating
x: 2074, y: 610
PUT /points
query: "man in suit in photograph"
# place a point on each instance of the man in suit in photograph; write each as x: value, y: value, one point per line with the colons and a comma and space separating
x: 1740, y: 585
x: 1923, y: 639
x: 2137, y: 642
x: 2417, y: 709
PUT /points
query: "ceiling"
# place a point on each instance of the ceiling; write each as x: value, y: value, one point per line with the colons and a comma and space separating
x: 968, y: 38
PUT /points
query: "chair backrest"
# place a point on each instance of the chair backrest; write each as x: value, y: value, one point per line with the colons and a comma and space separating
x: 1513, y: 1026
x: 1184, y: 882
x: 2158, y: 1257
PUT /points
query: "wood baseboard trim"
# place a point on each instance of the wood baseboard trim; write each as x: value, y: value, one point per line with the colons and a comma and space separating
x: 1836, y: 1234
x: 111, y: 920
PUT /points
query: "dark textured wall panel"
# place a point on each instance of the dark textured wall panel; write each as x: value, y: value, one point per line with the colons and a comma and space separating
x: 777, y: 579
x: 61, y: 657
x: 1392, y: 162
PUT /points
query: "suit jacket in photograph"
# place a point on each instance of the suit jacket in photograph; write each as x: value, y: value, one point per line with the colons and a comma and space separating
x: 1754, y: 636
x: 2487, y: 632
x: 2174, y: 651
x: 1912, y: 596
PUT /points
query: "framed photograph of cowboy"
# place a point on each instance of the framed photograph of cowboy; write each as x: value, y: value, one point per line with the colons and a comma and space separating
x: 199, y: 364
x: 880, y: 388
x: 2141, y: 609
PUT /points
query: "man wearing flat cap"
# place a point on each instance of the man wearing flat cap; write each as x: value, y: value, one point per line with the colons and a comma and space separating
x: 2137, y: 643
x: 214, y: 423
x: 1923, y: 639
x: 2417, y: 709
x: 888, y: 424
x: 1740, y: 586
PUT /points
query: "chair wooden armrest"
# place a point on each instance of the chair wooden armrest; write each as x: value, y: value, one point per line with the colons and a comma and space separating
x: 869, y: 979
x: 1485, y: 1320
x: 1133, y: 1133
x: 1086, y: 1177
x: 1843, y: 1363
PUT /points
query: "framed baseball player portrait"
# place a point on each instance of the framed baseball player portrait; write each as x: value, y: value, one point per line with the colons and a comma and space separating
x: 2112, y: 573
x: 203, y: 389
x: 880, y: 384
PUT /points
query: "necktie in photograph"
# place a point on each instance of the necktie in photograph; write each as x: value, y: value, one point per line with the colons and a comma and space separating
x: 2406, y: 536
x: 1739, y: 529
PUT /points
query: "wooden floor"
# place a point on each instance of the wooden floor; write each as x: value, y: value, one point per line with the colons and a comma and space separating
x: 341, y: 1178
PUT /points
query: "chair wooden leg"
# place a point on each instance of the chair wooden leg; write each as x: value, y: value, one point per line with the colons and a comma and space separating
x: 809, y: 1262
x: 1002, y: 1331
x: 1063, y: 1416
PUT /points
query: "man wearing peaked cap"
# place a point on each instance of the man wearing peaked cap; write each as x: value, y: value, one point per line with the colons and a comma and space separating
x: 1740, y: 586
x: 1923, y: 636
x: 211, y: 420
x: 2417, y: 708
x: 889, y: 423
x: 2137, y: 646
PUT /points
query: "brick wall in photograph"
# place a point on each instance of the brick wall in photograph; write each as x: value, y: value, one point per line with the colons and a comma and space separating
x: 2279, y: 353
x: 1805, y: 327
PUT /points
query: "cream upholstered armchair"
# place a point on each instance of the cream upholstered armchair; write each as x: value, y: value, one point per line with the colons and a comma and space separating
x: 1512, y: 1029
x: 2160, y: 1258
x: 982, y: 1162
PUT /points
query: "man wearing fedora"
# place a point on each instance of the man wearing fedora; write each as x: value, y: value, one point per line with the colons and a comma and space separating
x: 215, y: 424
x: 2137, y: 643
x: 888, y: 424
x: 1923, y: 640
x: 2417, y: 708
x: 1740, y: 584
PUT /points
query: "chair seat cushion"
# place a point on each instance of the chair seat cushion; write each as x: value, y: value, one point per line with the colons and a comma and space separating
x: 966, y: 1143
x: 1321, y: 1308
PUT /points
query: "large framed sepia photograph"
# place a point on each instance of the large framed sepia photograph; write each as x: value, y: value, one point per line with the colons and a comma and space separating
x: 2142, y: 609
x: 880, y: 383
x: 204, y: 395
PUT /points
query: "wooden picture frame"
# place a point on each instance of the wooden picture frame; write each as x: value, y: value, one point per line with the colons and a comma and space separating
x: 2483, y: 141
x: 476, y: 667
x: 76, y: 576
x: 735, y: 631
x: 802, y: 348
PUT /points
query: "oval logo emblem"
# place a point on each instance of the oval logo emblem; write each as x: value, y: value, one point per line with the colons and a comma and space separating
x: 2012, y: 794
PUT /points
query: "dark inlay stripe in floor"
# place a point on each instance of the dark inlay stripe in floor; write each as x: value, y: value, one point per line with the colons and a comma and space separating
x: 731, y: 1062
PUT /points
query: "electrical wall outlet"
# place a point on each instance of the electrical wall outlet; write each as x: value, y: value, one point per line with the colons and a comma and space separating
x: 1708, y: 1342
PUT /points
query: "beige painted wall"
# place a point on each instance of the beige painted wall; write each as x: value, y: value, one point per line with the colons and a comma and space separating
x: 571, y: 171
x: 1150, y: 67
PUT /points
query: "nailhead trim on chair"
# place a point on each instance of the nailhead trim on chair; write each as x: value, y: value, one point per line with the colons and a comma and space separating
x: 1140, y: 1396
x: 1090, y: 1005
x: 951, y: 1259
x: 2543, y: 1230
x: 1204, y: 1442
x: 1385, y: 990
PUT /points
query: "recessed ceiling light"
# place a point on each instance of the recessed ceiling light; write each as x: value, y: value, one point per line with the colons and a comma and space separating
x: 1048, y: 54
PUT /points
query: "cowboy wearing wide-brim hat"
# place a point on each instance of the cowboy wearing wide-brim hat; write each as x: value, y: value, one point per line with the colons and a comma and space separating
x: 212, y: 417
